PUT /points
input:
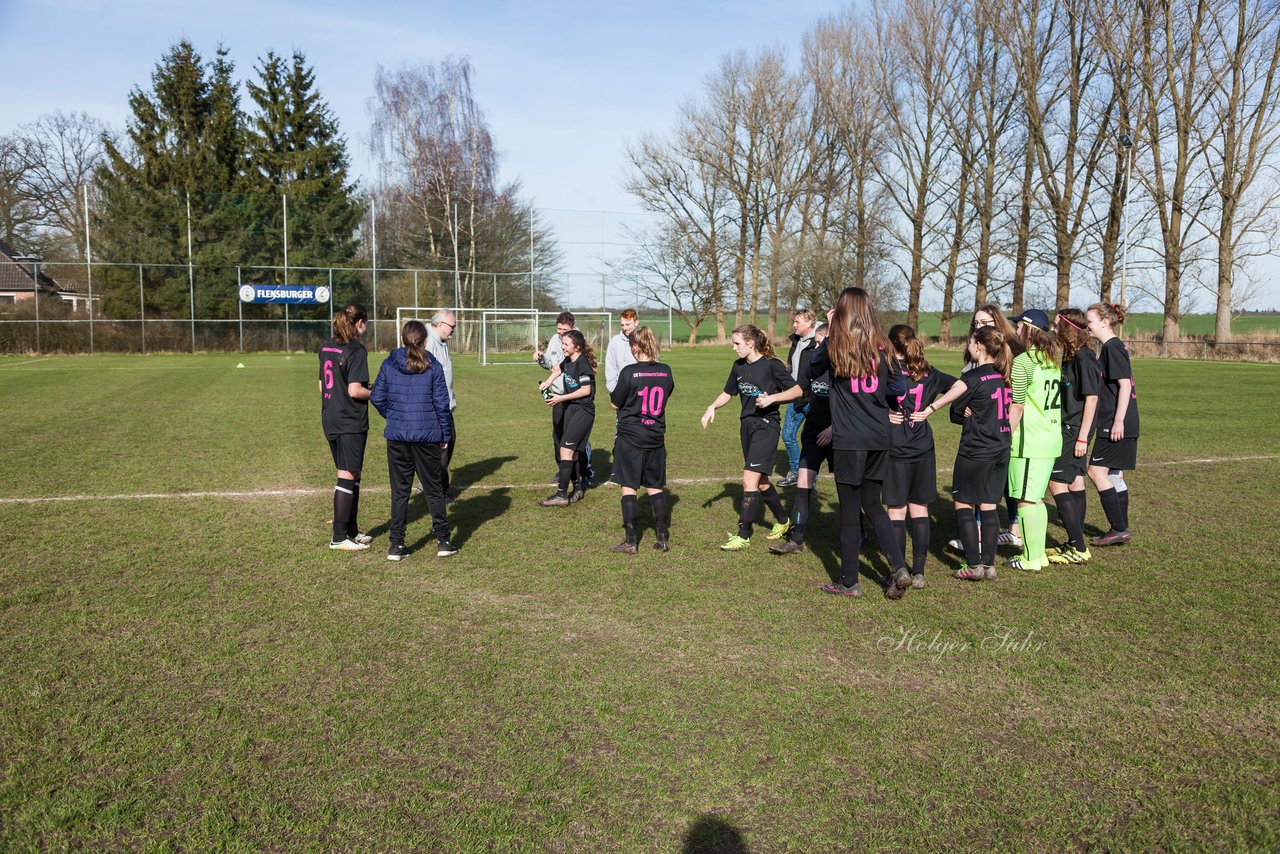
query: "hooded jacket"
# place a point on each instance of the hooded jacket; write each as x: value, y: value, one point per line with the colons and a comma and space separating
x: 416, y: 406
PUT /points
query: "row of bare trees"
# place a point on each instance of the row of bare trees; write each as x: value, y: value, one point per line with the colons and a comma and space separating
x: 950, y: 152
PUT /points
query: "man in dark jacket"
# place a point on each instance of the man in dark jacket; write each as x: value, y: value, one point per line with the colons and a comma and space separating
x: 802, y: 323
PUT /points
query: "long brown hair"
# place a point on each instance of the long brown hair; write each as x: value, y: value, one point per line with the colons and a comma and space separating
x: 1045, y: 343
x: 645, y: 344
x: 1112, y: 312
x: 344, y: 322
x: 580, y: 342
x: 1073, y: 332
x: 1001, y: 323
x: 763, y: 345
x: 413, y: 336
x: 993, y: 341
x: 856, y: 339
x: 910, y: 350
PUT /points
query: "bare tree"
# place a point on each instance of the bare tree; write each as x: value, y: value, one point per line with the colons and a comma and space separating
x: 666, y: 268
x: 20, y: 208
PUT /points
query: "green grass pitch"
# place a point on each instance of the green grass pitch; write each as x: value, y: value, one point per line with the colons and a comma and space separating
x: 200, y: 672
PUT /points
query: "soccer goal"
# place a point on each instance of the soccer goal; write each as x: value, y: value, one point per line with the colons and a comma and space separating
x: 510, y: 336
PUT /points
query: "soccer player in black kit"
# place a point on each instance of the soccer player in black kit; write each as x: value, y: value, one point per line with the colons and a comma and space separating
x: 815, y: 445
x: 578, y: 370
x: 763, y: 382
x: 1116, y: 449
x: 344, y: 412
x: 639, y: 452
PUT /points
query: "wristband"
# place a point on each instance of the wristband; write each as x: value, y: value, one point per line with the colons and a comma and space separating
x: 1082, y: 441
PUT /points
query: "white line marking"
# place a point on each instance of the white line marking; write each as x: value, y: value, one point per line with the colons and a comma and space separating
x: 27, y: 362
x: 372, y: 490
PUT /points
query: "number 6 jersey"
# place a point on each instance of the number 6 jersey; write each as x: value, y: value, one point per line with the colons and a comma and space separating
x: 641, y: 396
x: 340, y: 365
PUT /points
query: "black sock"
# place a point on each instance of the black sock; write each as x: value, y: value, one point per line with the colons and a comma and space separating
x: 1011, y: 505
x: 747, y: 514
x: 630, y: 513
x: 1082, y: 506
x: 773, y: 501
x: 1069, y: 511
x: 566, y: 475
x: 800, y: 515
x: 1123, y: 496
x: 353, y: 527
x: 1111, y: 506
x: 869, y: 494
x: 661, y: 517
x: 968, y: 527
x: 342, y: 494
x: 990, y: 531
x: 921, y: 530
x: 900, y: 534
x: 850, y: 533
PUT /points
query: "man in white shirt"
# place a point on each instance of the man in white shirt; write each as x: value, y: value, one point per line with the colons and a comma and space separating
x: 438, y: 333
x: 619, y: 354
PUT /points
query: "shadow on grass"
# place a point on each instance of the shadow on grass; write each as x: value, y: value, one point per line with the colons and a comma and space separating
x: 467, y: 515
x: 711, y: 834
x: 463, y: 477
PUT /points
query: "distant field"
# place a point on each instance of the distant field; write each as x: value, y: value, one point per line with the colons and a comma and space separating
x: 184, y: 665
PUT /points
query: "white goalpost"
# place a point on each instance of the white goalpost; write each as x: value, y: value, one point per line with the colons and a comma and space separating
x: 510, y: 336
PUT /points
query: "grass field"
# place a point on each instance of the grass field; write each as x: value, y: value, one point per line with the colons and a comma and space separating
x: 186, y: 666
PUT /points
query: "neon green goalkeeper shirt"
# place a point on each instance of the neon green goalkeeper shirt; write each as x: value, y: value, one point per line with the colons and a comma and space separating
x: 1035, y: 381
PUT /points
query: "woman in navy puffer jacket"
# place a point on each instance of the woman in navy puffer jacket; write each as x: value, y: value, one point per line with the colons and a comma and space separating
x: 410, y: 392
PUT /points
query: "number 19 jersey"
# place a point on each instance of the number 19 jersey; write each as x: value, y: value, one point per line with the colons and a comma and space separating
x: 641, y: 395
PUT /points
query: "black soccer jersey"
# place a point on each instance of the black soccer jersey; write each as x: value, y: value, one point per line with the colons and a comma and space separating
x: 749, y: 380
x: 915, y: 439
x: 577, y: 373
x: 818, y: 389
x: 341, y: 364
x: 859, y: 405
x: 1114, y: 359
x: 986, y: 434
x: 641, y: 395
x: 1081, y: 377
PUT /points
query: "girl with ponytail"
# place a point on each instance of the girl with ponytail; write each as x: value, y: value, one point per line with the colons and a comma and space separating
x: 763, y: 382
x: 344, y: 414
x: 1116, y: 450
x: 578, y: 371
x: 1080, y: 383
x: 979, y: 478
x: 412, y: 394
x: 911, y: 481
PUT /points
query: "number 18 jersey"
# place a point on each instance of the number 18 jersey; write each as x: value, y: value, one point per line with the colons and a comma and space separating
x: 641, y: 395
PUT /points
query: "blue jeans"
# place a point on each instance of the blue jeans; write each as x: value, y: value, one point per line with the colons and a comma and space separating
x: 791, y: 433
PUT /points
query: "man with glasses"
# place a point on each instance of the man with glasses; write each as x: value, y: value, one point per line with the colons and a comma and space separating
x: 438, y: 333
x: 550, y: 359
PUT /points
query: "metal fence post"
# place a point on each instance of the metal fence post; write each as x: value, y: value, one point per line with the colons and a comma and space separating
x: 240, y: 308
x: 142, y: 310
x: 191, y: 276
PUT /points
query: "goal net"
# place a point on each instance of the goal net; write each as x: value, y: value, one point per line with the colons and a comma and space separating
x: 510, y: 336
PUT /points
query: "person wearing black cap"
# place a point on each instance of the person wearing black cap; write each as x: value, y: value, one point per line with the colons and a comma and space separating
x: 1036, y: 419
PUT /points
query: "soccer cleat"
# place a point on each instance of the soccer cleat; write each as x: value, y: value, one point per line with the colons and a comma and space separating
x: 661, y: 544
x: 957, y: 545
x: 841, y: 590
x: 397, y: 552
x: 988, y: 572
x: 624, y: 548
x: 348, y: 545
x: 1067, y: 554
x: 970, y: 573
x: 790, y: 479
x: 361, y: 537
x: 779, y: 530
x: 1112, y: 538
x: 577, y: 495
x: 445, y: 548
x: 898, y: 584
x: 557, y: 500
x: 588, y: 483
x: 735, y: 543
x: 917, y: 581
x: 787, y: 547
x: 1009, y: 538
x: 1025, y: 565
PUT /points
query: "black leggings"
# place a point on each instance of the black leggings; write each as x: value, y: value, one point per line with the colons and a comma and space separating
x: 866, y: 498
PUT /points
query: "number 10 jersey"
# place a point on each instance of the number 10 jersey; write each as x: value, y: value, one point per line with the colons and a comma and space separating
x: 641, y: 396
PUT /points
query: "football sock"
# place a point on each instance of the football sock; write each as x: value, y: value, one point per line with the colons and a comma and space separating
x: 1111, y: 507
x: 1122, y: 493
x: 900, y: 534
x: 342, y: 494
x: 352, y: 527
x: 630, y: 513
x: 566, y: 475
x: 773, y: 501
x: 1033, y: 519
x: 850, y: 533
x: 921, y: 530
x: 968, y: 527
x: 800, y: 516
x: 874, y: 510
x: 990, y: 531
x: 747, y: 515
x: 1069, y: 512
x: 658, y: 507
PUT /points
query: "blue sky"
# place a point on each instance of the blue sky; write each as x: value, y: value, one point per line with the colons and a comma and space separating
x: 566, y: 85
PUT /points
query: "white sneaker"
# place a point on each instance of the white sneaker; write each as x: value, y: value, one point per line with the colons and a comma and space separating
x: 955, y: 545
x: 1009, y: 538
x: 348, y: 545
x: 362, y: 538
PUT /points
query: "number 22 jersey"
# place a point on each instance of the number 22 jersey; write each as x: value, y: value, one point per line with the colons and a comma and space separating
x: 641, y: 395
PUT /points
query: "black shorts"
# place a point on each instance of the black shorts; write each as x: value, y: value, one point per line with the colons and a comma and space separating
x: 1068, y: 466
x: 636, y: 467
x: 911, y: 481
x: 813, y: 455
x: 853, y: 467
x: 980, y: 481
x: 576, y: 428
x: 1122, y: 455
x: 348, y: 451
x: 759, y: 443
